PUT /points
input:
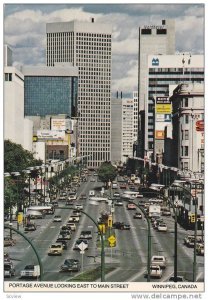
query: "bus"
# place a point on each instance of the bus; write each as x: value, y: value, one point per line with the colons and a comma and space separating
x: 131, y: 194
x: 45, y: 210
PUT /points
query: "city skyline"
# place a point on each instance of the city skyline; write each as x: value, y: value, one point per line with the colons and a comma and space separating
x: 125, y: 18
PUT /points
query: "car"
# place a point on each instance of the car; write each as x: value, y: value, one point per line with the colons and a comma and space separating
x: 57, y: 218
x: 116, y: 194
x: 76, y: 213
x: 66, y: 234
x: 166, y: 212
x: 79, y: 206
x: 122, y: 185
x: 177, y: 279
x: 55, y: 203
x: 74, y: 218
x: 72, y: 225
x: 131, y: 206
x: 62, y: 198
x: 162, y: 227
x: 64, y: 243
x: 158, y: 260
x: 200, y: 249
x: 121, y: 226
x: 83, y: 197
x: 56, y: 249
x: 78, y: 242
x: 69, y: 202
x: 30, y: 227
x: 92, y: 179
x: 70, y: 264
x: 86, y: 234
x: 189, y: 240
x: 66, y: 227
x: 9, y: 241
x: 9, y: 270
x: 156, y: 271
x: 137, y: 215
x: 118, y: 202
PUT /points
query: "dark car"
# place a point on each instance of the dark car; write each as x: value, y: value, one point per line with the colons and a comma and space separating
x: 63, y: 242
x: 70, y: 264
x: 121, y: 226
x: 137, y: 215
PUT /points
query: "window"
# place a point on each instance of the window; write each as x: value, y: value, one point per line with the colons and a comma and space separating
x: 8, y: 76
x: 186, y: 134
x: 185, y: 102
x: 161, y: 31
x: 146, y: 31
x: 185, y: 150
x: 185, y: 165
x: 186, y: 119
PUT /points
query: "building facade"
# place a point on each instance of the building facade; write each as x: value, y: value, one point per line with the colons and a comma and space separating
x: 50, y: 91
x: 163, y: 78
x: 16, y: 128
x: 188, y: 126
x: 87, y: 45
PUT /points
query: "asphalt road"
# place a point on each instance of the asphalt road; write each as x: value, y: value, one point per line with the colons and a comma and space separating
x: 129, y: 257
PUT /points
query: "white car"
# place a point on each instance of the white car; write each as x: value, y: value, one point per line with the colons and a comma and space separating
x: 162, y: 227
x: 72, y: 226
x: 158, y: 260
x: 156, y: 271
x: 79, y: 206
x: 57, y: 218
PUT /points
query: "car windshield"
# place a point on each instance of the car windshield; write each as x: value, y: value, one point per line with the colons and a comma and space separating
x: 55, y: 246
x: 7, y: 267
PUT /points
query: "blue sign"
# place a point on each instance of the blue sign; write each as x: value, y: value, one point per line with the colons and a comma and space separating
x: 155, y: 62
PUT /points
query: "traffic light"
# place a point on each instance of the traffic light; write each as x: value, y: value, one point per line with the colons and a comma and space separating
x: 110, y: 221
x: 193, y: 218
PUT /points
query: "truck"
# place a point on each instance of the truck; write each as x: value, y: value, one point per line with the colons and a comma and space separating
x: 30, y: 271
x: 154, y: 210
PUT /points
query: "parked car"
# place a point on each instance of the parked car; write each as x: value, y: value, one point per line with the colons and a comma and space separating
x: 156, y: 271
x: 189, y: 240
x: 158, y: 260
x: 8, y: 241
x: 56, y: 249
x: 70, y: 264
x: 9, y: 270
x: 200, y: 249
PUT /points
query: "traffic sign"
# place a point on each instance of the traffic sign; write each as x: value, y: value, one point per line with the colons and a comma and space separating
x: 82, y: 252
x: 112, y: 239
x: 82, y: 246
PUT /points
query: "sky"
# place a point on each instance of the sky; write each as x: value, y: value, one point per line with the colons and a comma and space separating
x: 25, y: 31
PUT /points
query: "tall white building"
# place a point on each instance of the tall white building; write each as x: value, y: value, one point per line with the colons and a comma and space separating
x: 87, y: 45
x: 16, y: 127
x: 127, y: 125
x: 153, y: 39
x: 135, y: 125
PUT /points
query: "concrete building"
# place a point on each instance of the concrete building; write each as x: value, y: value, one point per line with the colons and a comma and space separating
x: 50, y: 91
x: 87, y: 45
x: 122, y: 135
x: 153, y: 39
x: 170, y: 71
x: 16, y: 127
x: 188, y: 126
x: 156, y: 40
x: 135, y: 126
x: 7, y: 56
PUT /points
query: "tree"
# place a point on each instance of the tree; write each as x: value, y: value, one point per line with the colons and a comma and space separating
x: 16, y: 158
x: 107, y: 172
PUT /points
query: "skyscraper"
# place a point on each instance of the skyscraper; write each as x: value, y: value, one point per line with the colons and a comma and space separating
x: 152, y: 40
x: 87, y: 45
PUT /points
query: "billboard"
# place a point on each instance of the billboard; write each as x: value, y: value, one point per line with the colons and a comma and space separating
x: 50, y: 135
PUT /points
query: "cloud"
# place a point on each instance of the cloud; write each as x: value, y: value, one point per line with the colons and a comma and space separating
x: 25, y: 31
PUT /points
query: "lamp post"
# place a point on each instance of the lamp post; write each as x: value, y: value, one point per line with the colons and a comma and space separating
x: 102, y: 241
